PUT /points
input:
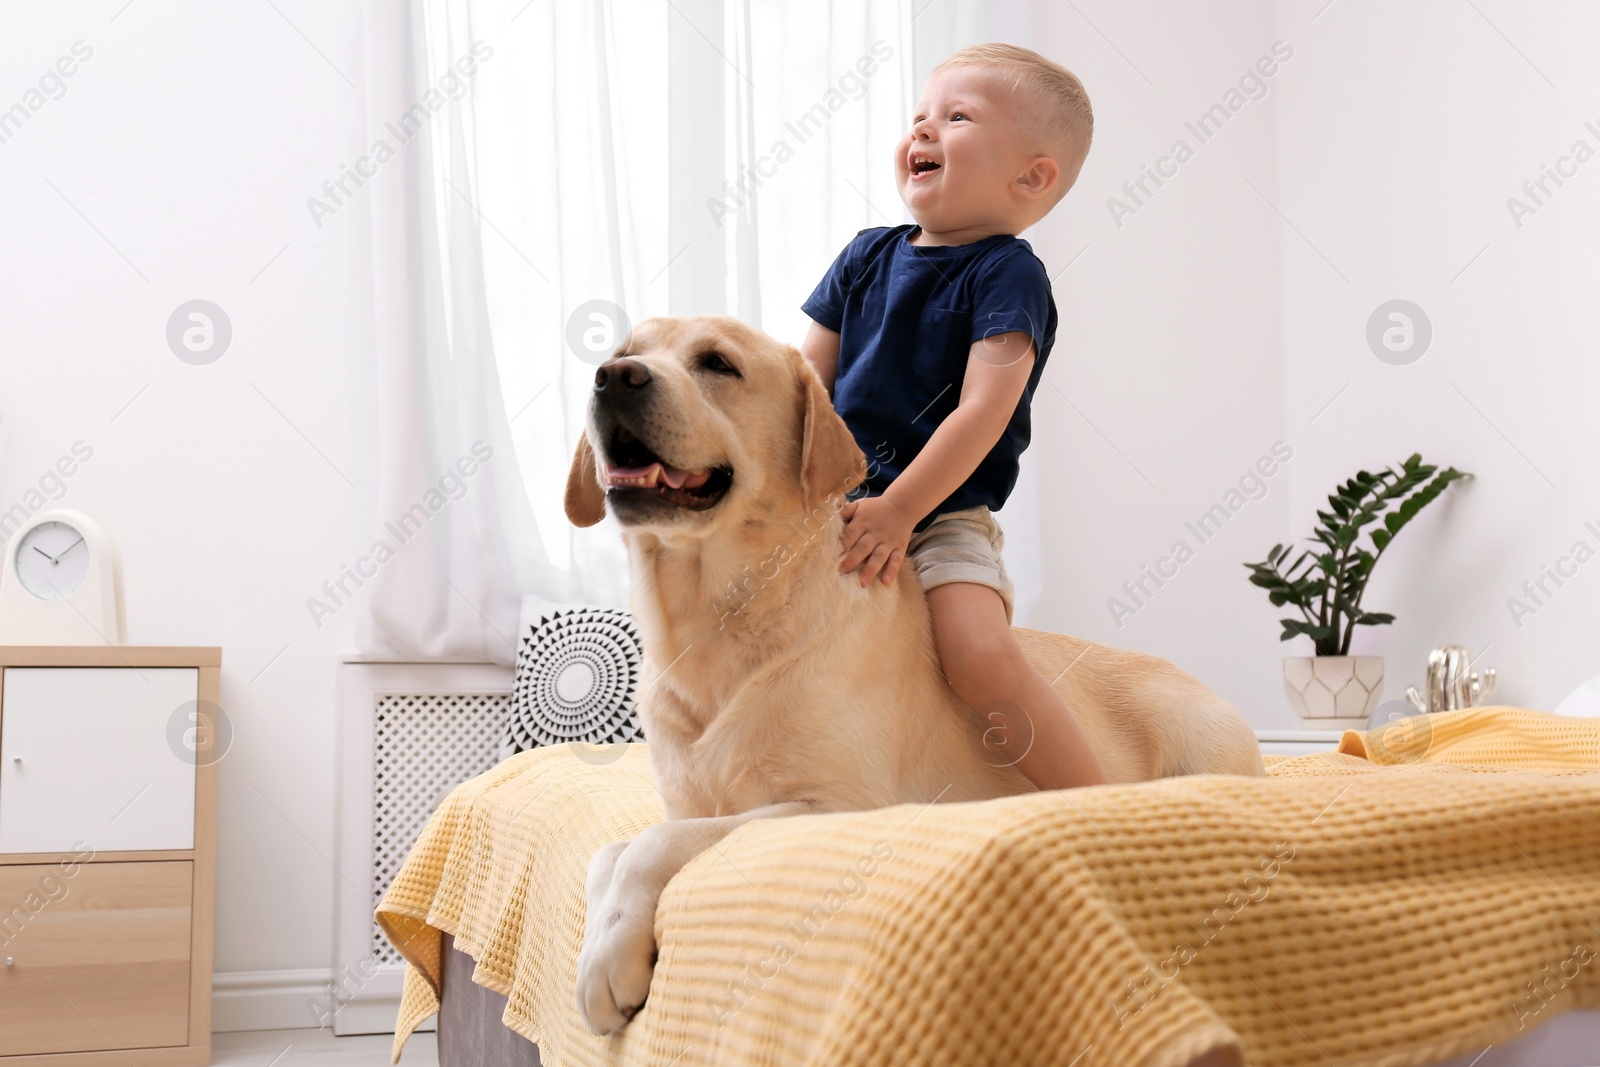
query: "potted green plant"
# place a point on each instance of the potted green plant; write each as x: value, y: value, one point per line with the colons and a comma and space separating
x: 1332, y: 687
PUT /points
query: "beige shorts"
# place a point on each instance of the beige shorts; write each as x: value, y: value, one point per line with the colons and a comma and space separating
x: 962, y: 546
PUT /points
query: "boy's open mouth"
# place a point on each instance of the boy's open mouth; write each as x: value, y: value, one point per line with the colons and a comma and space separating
x: 921, y: 165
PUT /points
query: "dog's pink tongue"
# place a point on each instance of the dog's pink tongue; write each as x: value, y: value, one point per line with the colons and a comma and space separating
x: 682, y: 479
x: 655, y: 473
x: 633, y: 475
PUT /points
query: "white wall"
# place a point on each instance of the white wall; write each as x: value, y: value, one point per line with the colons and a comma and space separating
x: 190, y: 140
x: 1166, y: 384
x: 1212, y: 323
x: 1400, y: 176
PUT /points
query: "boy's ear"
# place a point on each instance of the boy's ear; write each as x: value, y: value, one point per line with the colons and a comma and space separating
x: 585, y: 499
x: 1040, y: 177
x: 830, y: 460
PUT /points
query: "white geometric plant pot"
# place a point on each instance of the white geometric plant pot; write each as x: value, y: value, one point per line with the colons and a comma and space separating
x: 1334, y: 692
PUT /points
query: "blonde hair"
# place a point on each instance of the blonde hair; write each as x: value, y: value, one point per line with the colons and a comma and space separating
x: 1052, y: 103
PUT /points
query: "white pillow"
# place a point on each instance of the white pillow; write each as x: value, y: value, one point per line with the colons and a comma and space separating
x: 577, y: 669
x: 1583, y: 701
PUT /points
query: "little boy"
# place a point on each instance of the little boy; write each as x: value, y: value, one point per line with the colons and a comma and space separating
x: 931, y: 338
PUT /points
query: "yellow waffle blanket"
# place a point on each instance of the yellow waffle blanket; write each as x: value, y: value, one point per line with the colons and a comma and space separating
x: 1430, y: 889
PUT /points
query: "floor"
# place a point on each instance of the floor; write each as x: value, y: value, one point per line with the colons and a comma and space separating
x: 317, y: 1048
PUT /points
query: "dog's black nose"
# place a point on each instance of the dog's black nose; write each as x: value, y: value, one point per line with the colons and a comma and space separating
x: 621, y: 376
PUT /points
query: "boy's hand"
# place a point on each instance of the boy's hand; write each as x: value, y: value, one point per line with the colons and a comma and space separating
x: 876, y: 533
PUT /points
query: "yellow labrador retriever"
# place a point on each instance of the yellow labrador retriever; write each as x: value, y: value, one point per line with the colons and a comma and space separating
x: 774, y: 685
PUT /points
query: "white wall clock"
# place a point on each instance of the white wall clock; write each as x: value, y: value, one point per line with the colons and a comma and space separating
x: 61, y: 583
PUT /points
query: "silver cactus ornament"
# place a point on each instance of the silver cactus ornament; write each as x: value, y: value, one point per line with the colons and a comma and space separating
x: 1451, y: 681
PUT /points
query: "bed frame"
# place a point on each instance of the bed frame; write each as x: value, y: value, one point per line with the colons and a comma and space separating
x: 472, y: 1035
x: 470, y: 1031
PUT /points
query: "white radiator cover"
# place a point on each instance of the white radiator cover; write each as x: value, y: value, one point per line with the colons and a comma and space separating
x: 408, y: 734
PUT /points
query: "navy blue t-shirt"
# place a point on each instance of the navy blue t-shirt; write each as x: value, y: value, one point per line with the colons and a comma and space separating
x: 907, y: 316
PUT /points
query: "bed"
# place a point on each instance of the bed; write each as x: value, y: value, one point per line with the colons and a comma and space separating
x: 1421, y: 896
x: 470, y: 1033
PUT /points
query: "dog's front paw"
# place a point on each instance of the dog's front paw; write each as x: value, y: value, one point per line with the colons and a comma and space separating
x: 619, y: 944
x: 614, y: 970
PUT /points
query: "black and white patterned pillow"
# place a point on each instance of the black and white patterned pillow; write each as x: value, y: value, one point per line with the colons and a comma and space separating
x: 578, y: 668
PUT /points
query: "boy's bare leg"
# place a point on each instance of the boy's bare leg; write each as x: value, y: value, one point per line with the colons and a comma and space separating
x: 1029, y: 723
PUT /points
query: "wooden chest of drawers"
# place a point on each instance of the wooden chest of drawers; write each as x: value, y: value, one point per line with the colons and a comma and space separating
x: 107, y: 854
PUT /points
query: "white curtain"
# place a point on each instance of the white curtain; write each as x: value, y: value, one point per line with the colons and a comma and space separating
x: 698, y: 156
x: 453, y: 541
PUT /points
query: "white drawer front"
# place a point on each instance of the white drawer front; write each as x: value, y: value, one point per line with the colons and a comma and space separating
x: 84, y: 757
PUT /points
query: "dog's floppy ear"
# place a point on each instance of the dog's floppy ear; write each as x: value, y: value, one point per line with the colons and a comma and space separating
x: 586, y: 499
x: 830, y: 460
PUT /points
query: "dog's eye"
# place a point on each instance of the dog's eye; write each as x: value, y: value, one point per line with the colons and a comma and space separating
x: 716, y: 364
